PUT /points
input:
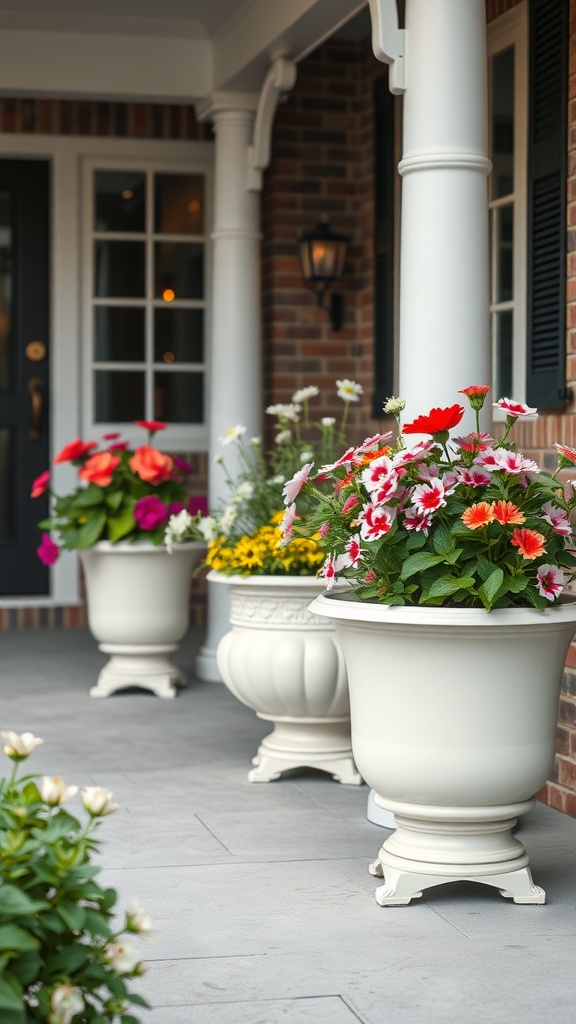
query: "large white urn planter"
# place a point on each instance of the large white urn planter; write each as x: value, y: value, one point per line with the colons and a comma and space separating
x: 287, y: 665
x: 138, y: 610
x: 454, y: 726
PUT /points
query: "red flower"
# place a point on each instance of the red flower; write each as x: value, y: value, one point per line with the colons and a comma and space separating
x: 530, y: 543
x: 151, y: 465
x: 40, y: 485
x: 151, y: 425
x: 475, y: 389
x: 436, y: 422
x: 478, y: 515
x: 566, y: 455
x: 99, y: 469
x: 75, y: 450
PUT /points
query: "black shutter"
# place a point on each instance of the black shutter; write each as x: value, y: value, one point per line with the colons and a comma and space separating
x: 384, y: 181
x: 547, y: 172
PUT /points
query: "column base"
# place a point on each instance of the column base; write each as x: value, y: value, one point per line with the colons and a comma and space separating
x: 301, y: 744
x: 148, y: 668
x: 434, y: 845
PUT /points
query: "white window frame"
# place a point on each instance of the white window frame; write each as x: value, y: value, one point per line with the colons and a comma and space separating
x: 186, y: 437
x: 66, y: 155
x: 511, y: 29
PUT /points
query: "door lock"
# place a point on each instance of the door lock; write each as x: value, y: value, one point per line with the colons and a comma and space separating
x: 35, y: 351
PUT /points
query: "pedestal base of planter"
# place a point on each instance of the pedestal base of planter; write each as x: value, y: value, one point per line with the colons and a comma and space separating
x: 306, y: 744
x: 434, y: 845
x: 148, y: 668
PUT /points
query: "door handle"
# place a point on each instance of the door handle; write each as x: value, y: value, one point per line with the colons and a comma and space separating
x: 36, y: 389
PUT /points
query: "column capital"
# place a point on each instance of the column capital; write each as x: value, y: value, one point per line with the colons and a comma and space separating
x: 223, y: 106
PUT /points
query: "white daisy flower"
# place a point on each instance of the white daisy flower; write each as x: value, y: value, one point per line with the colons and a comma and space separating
x: 349, y: 390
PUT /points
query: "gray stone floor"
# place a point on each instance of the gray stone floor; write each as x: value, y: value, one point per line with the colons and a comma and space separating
x: 263, y: 908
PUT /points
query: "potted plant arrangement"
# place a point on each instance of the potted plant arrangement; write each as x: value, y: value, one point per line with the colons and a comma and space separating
x: 455, y: 630
x: 64, y: 959
x: 137, y: 596
x: 278, y: 658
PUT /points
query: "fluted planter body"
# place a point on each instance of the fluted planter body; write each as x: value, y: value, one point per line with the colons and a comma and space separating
x: 454, y: 717
x: 138, y: 611
x: 287, y: 665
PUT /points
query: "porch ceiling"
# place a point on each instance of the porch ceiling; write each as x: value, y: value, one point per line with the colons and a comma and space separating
x: 175, y: 51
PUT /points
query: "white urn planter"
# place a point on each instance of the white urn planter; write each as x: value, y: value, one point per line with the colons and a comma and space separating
x: 138, y: 611
x: 454, y: 726
x: 287, y: 665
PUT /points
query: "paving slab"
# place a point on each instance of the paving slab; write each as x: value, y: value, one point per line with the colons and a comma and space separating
x: 263, y: 908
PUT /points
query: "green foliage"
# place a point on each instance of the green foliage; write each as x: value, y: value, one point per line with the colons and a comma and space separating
x: 57, y: 928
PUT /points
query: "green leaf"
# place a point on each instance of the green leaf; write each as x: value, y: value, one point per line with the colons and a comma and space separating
x: 26, y: 969
x: 89, y: 497
x: 90, y: 532
x: 485, y: 567
x: 120, y: 525
x: 96, y: 924
x: 418, y: 562
x: 10, y: 993
x: 72, y: 916
x: 447, y: 585
x: 14, y: 902
x: 114, y: 499
x: 14, y: 1017
x: 487, y: 592
x: 516, y: 584
x: 415, y: 541
x: 442, y: 540
x: 12, y: 936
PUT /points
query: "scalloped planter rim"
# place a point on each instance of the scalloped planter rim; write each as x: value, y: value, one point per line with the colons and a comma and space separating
x: 138, y: 611
x: 287, y: 665
x: 454, y: 715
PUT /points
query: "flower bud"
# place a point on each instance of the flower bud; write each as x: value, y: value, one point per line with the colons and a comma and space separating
x: 54, y: 791
x: 98, y: 801
x: 19, y: 747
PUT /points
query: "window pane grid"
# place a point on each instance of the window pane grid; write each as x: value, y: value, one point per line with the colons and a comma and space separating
x: 166, y: 378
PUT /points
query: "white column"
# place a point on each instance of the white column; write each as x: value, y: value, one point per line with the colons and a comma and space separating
x: 234, y: 346
x: 444, y: 321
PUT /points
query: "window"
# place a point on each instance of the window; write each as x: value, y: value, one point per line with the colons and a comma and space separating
x: 507, y: 85
x: 145, y: 320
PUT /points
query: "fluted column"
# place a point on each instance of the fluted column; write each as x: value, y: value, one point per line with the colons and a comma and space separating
x: 235, y: 345
x: 444, y: 320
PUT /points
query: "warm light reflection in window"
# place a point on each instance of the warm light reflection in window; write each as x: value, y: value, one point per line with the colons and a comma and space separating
x: 168, y: 295
x: 193, y: 206
x: 127, y: 193
x: 168, y: 357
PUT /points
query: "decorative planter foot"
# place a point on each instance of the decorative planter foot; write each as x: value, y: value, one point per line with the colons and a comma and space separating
x: 131, y: 666
x: 306, y: 744
x: 269, y: 767
x: 433, y: 845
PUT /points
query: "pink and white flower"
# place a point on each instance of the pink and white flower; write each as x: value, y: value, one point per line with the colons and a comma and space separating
x: 557, y: 518
x: 328, y: 571
x: 349, y: 504
x: 473, y: 477
x: 287, y: 523
x: 515, y: 463
x: 428, y: 497
x: 324, y: 529
x: 473, y: 442
x: 488, y: 458
x: 292, y: 487
x: 377, y: 439
x: 380, y: 479
x: 353, y: 554
x: 413, y: 454
x: 122, y: 957
x: 344, y: 460
x: 516, y: 409
x: 376, y: 521
x: 550, y: 581
x: 418, y: 521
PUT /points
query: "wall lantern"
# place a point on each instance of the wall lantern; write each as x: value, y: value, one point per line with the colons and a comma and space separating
x: 322, y: 254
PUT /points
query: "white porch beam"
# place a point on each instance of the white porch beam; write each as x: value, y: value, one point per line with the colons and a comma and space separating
x: 104, y: 66
x: 444, y: 321
x: 235, y: 348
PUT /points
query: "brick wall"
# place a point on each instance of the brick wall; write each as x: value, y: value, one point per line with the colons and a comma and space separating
x: 127, y: 120
x: 321, y: 167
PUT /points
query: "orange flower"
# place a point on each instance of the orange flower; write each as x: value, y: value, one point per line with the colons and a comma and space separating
x: 151, y: 465
x: 507, y: 512
x: 530, y: 543
x: 99, y: 469
x: 478, y: 515
x: 368, y: 457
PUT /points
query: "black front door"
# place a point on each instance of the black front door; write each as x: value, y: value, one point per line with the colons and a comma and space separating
x: 24, y: 371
